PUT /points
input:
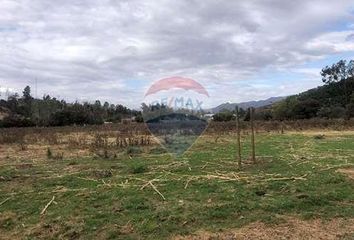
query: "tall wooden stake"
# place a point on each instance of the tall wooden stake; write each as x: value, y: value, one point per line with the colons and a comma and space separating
x: 252, y: 135
x: 238, y: 130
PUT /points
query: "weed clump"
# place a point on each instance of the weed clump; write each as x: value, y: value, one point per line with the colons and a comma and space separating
x: 157, y: 150
x: 136, y: 168
x: 103, y: 173
x: 58, y: 156
x: 72, y: 163
x: 23, y: 146
x: 134, y: 150
x: 319, y: 136
x: 49, y: 153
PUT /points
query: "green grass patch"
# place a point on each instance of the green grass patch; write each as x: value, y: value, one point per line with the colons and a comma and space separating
x: 203, y: 189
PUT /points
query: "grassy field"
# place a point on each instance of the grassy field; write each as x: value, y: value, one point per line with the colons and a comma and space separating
x: 144, y: 193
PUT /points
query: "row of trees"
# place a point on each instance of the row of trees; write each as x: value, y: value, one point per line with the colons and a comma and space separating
x: 27, y: 111
x: 226, y: 115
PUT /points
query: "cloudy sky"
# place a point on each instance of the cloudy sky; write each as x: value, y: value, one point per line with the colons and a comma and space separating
x: 114, y: 50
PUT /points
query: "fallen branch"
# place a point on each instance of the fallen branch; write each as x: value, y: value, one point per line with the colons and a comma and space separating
x: 286, y: 178
x: 185, y: 186
x: 153, y: 186
x: 224, y: 177
x: 336, y: 166
x: 209, y: 176
x: 148, y: 182
x: 46, y: 206
x: 7, y: 199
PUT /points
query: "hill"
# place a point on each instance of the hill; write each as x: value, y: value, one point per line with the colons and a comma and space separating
x: 335, y: 99
x: 245, y: 105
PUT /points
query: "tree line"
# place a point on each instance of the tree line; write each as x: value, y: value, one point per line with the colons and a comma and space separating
x: 335, y: 99
x: 26, y: 111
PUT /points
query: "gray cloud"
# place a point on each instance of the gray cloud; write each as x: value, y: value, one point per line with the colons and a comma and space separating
x: 97, y: 49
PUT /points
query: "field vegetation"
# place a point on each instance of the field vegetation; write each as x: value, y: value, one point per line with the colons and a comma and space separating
x: 117, y: 182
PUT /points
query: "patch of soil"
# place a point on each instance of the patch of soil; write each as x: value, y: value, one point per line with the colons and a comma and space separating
x: 347, y: 171
x: 7, y: 224
x: 293, y: 229
x: 57, y: 229
x: 24, y: 166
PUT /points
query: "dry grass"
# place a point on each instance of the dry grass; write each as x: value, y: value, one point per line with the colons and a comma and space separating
x: 105, y: 190
x: 349, y: 172
x: 293, y: 229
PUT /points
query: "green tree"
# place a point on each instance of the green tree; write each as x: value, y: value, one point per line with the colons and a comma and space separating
x: 26, y: 102
x: 225, y: 116
x: 350, y: 107
x: 27, y: 93
x: 332, y: 112
x: 284, y: 109
x: 340, y: 71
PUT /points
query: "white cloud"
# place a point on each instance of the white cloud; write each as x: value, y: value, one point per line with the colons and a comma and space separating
x: 333, y: 42
x: 86, y: 49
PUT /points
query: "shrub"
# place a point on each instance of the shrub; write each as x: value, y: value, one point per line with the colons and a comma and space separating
x: 223, y: 116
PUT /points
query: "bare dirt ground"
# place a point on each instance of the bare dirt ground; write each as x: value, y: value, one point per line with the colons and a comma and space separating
x: 349, y: 172
x: 293, y: 228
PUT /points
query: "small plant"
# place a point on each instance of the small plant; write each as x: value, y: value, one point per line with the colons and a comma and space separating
x: 134, y: 150
x: 168, y: 140
x: 319, y: 136
x: 49, y: 153
x: 72, y: 162
x: 100, y: 141
x: 136, y: 168
x: 103, y: 154
x: 102, y: 173
x: 59, y: 156
x: 23, y: 146
x: 157, y: 150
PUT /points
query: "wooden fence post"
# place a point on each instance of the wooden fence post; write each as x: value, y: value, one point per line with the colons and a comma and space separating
x: 252, y: 135
x: 238, y: 132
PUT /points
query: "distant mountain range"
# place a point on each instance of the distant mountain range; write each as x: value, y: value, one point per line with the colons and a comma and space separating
x: 245, y: 105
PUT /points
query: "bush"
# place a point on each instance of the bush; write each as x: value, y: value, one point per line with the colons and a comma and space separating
x: 350, y: 110
x: 224, y: 117
x: 139, y: 119
x: 73, y: 116
x: 16, y: 121
x: 333, y: 112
